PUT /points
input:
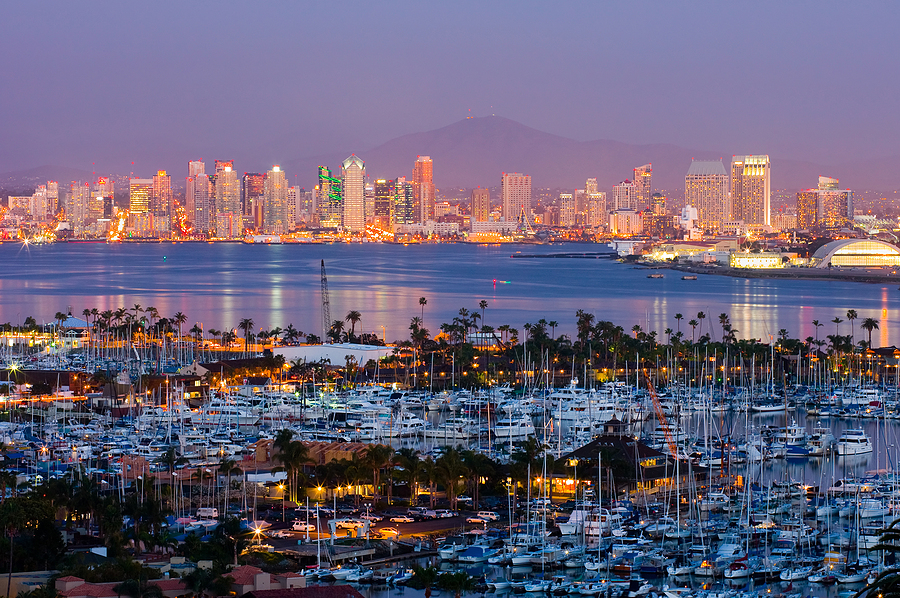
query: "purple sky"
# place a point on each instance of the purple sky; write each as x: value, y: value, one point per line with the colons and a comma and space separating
x: 264, y: 82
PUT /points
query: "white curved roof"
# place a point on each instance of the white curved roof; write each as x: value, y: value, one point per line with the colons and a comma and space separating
x: 862, y: 247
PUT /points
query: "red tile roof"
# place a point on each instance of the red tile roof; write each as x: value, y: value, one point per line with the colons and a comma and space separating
x: 93, y: 590
x: 244, y: 575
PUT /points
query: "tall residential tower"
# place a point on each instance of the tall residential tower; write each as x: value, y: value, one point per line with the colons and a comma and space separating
x: 751, y: 189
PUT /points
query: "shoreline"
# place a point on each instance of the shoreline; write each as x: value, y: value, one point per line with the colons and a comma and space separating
x: 780, y: 273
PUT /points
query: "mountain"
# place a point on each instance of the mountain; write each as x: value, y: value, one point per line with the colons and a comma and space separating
x: 22, y: 180
x: 475, y: 151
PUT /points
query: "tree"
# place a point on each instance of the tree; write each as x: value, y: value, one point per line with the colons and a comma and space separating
x: 292, y: 455
x: 818, y: 325
x: 423, y: 302
x: 246, y: 325
x: 837, y: 322
x: 377, y: 457
x: 852, y: 315
x: 353, y: 317
x: 693, y: 324
x: 678, y: 319
x: 869, y: 324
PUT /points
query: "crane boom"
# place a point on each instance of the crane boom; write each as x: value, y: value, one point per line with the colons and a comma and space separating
x: 661, y: 416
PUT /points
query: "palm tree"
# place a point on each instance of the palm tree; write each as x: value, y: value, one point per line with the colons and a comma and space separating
x: 836, y: 322
x: 818, y: 325
x: 423, y: 302
x: 852, y: 315
x: 377, y: 457
x: 353, y: 317
x: 228, y: 467
x: 693, y: 324
x: 678, y: 319
x: 293, y: 456
x: 409, y: 461
x: 869, y: 324
x: 701, y: 316
x: 246, y: 325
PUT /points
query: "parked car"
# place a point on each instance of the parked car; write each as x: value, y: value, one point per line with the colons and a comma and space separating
x: 371, y: 517
x: 446, y: 513
x: 302, y: 526
x: 475, y: 520
x: 464, y: 498
x: 402, y: 519
x: 488, y: 515
x: 389, y: 532
x: 348, y: 523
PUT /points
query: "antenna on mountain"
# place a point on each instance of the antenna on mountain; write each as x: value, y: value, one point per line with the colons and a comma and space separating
x: 326, y: 307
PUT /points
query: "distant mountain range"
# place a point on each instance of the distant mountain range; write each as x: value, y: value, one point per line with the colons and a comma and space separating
x: 475, y: 151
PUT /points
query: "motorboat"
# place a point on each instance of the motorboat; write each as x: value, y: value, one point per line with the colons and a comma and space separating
x: 854, y: 442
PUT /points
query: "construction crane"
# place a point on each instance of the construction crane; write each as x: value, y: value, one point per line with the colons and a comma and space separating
x: 661, y: 416
x: 326, y: 306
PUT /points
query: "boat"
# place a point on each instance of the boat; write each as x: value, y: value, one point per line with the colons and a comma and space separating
x: 656, y: 275
x: 689, y: 277
x: 853, y: 442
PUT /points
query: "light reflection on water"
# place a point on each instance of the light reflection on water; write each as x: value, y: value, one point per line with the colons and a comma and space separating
x: 279, y: 284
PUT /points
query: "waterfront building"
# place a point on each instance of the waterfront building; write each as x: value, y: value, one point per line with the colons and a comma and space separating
x: 626, y: 223
x: 228, y: 221
x: 275, y: 201
x: 596, y: 209
x: 353, y: 175
x: 515, y: 192
x: 827, y: 206
x: 195, y: 168
x: 329, y: 199
x: 384, y: 203
x: 423, y: 187
x: 480, y: 205
x: 203, y: 203
x: 404, y: 202
x: 625, y: 196
x: 751, y: 189
x: 293, y: 206
x: 706, y: 188
x: 566, y: 210
x: 253, y: 194
x: 37, y: 204
x: 856, y: 253
x: 766, y: 260
x: 643, y: 187
x: 161, y: 198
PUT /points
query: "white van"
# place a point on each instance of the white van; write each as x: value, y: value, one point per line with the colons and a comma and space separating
x: 488, y: 515
x: 208, y: 513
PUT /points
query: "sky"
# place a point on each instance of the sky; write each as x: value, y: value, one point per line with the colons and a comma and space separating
x: 99, y: 85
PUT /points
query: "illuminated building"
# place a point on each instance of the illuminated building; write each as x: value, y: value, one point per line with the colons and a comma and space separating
x: 515, y: 192
x: 807, y: 208
x: 750, y: 189
x: 596, y: 209
x: 782, y: 221
x: 625, y: 196
x: 706, y: 188
x: 404, y: 202
x: 566, y: 210
x: 827, y: 206
x: 161, y: 200
x: 480, y: 206
x: 195, y: 168
x: 423, y: 187
x: 253, y: 191
x: 384, y: 203
x: 275, y: 201
x: 590, y: 187
x: 756, y: 260
x: 369, y: 195
x: 37, y: 204
x: 626, y: 223
x: 353, y: 175
x: 203, y: 203
x: 139, y: 192
x: 642, y: 177
x: 228, y: 221
x: 329, y: 199
x: 856, y: 253
x: 293, y: 203
x: 658, y: 203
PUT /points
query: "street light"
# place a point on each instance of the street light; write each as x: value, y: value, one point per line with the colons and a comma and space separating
x: 281, y: 487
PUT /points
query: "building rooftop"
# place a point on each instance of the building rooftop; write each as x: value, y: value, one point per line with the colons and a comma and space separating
x: 706, y: 167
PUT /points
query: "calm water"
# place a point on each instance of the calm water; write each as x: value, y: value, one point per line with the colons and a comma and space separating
x: 217, y: 285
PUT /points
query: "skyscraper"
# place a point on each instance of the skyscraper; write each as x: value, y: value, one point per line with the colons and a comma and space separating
x: 658, y: 203
x: 423, y: 187
x: 515, y: 192
x: 807, y: 208
x: 293, y: 205
x: 253, y: 189
x: 625, y: 196
x: 52, y: 197
x: 78, y: 206
x: 566, y: 210
x: 404, y: 202
x: 596, y: 209
x: 353, y: 175
x: 827, y: 206
x: 139, y: 192
x: 329, y: 199
x: 228, y: 221
x: 751, y: 189
x: 590, y: 186
x: 161, y: 199
x: 195, y: 168
x: 706, y: 188
x: 480, y: 208
x: 203, y: 202
x: 642, y: 176
x: 384, y: 203
x: 275, y: 201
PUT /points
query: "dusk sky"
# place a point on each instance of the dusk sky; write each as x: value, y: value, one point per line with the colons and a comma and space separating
x: 160, y: 83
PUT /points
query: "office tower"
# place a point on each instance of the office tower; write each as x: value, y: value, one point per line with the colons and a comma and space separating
x: 596, y: 210
x: 625, y: 196
x: 384, y: 203
x: 706, y: 188
x: 590, y: 187
x: 369, y: 194
x: 52, y: 198
x: 515, y: 193
x: 78, y: 206
x: 293, y: 206
x: 423, y: 187
x: 626, y: 223
x: 642, y: 175
x: 353, y: 174
x: 807, y: 208
x: 161, y: 198
x: 203, y: 202
x: 480, y: 208
x: 827, y: 206
x: 404, y: 202
x: 195, y: 168
x: 228, y: 222
x: 750, y: 189
x: 139, y: 193
x: 253, y: 188
x: 566, y: 210
x: 658, y: 203
x: 37, y: 205
x: 329, y: 199
x: 275, y: 201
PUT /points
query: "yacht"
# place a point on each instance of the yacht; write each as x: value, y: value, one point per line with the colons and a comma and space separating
x: 854, y: 442
x: 515, y: 427
x: 821, y: 441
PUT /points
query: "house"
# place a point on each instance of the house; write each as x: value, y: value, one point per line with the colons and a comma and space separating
x: 342, y: 591
x: 75, y: 587
x: 246, y: 579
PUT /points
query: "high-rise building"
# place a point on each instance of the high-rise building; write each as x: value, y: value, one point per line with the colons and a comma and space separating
x: 293, y: 206
x: 625, y: 196
x: 275, y: 201
x: 566, y: 210
x: 642, y: 176
x: 751, y: 189
x: 369, y: 194
x: 329, y: 199
x: 423, y: 187
x: 78, y: 206
x: 353, y: 175
x: 404, y: 202
x: 515, y: 193
x: 590, y: 187
x: 161, y: 198
x: 384, y: 203
x: 706, y: 188
x: 596, y: 210
x: 658, y: 204
x: 139, y: 193
x: 807, y: 208
x: 195, y: 168
x: 228, y: 221
x: 253, y: 189
x: 52, y: 197
x: 37, y: 206
x: 827, y: 206
x: 480, y: 208
x: 203, y: 201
